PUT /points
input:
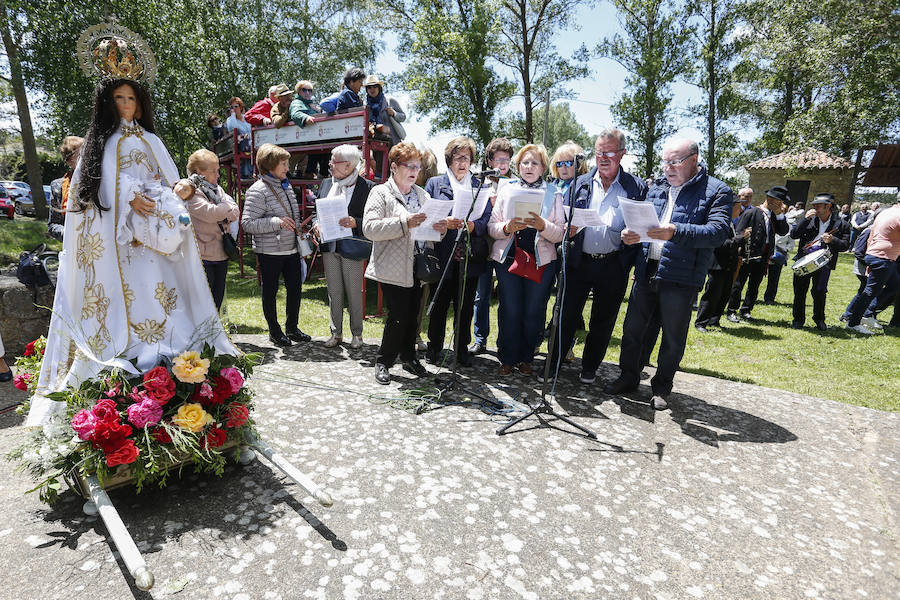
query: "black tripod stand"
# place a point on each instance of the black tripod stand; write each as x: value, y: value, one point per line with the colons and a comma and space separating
x: 543, y: 407
x: 463, y: 241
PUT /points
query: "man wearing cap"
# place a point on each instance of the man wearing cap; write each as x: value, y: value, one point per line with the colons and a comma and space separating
x: 820, y: 228
x: 693, y: 210
x: 763, y: 222
x: 281, y: 111
x: 260, y: 113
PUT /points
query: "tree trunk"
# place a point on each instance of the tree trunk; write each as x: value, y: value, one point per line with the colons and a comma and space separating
x: 712, y: 52
x: 32, y: 165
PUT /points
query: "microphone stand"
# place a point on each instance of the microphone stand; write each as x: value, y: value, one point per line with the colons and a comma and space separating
x: 543, y: 407
x: 463, y: 238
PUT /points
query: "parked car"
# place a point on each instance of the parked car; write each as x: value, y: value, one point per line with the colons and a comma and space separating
x: 47, y: 194
x: 20, y: 192
x: 6, y: 204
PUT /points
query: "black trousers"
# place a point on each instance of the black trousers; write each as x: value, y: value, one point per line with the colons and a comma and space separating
x: 606, y: 278
x: 801, y: 287
x: 751, y: 274
x: 772, y: 284
x: 437, y: 324
x: 216, y: 272
x: 399, y: 338
x: 273, y: 267
x: 715, y: 298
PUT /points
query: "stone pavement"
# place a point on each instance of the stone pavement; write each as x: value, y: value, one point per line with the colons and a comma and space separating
x: 737, y: 492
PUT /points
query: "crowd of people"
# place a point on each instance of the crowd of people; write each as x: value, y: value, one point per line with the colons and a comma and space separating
x: 709, y: 253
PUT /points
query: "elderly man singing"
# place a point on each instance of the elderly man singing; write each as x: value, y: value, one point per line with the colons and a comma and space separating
x: 694, y: 211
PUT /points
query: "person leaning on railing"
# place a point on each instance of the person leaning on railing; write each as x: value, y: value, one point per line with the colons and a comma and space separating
x: 393, y: 210
x: 272, y: 216
x: 303, y: 113
x: 344, y: 275
x: 211, y: 210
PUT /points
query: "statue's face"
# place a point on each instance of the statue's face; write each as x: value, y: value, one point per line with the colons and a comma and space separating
x: 126, y: 102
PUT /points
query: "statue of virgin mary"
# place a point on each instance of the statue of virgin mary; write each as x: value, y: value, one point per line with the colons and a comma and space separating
x: 131, y: 291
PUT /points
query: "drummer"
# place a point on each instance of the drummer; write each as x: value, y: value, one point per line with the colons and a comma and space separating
x: 820, y: 229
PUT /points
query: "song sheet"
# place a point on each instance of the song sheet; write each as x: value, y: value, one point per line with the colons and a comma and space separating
x: 434, y: 210
x: 525, y: 201
x: 329, y: 211
x: 639, y: 217
x: 463, y: 199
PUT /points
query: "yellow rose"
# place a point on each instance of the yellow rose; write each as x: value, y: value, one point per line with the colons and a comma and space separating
x: 192, y: 417
x: 190, y: 368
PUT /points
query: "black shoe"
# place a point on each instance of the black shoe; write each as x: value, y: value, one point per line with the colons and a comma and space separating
x: 701, y: 328
x: 796, y: 325
x: 747, y: 317
x: 733, y: 318
x: 299, y: 336
x: 821, y: 326
x: 6, y: 376
x: 282, y: 341
x: 432, y: 358
x: 415, y: 367
x: 477, y: 348
x: 620, y: 386
x: 464, y: 359
x: 381, y: 374
x: 658, y: 402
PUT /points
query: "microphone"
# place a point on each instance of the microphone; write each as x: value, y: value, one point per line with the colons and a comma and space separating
x: 580, y: 158
x: 488, y: 173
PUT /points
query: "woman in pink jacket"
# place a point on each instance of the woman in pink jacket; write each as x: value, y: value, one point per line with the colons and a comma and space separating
x: 523, y: 301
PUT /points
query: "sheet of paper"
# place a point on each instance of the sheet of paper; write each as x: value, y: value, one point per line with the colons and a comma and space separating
x: 587, y: 217
x: 329, y: 211
x: 462, y: 201
x: 639, y: 217
x: 434, y: 210
x: 524, y: 201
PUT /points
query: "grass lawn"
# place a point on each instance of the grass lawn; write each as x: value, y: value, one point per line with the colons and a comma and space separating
x: 833, y: 364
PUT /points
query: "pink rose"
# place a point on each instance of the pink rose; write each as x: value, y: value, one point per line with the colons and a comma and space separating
x: 143, y: 413
x: 234, y: 377
x: 21, y: 381
x: 83, y: 423
x: 105, y: 410
x: 158, y: 383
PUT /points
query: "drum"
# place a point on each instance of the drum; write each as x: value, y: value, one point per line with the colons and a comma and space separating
x: 812, y: 262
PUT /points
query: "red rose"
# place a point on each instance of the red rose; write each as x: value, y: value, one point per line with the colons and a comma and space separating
x: 105, y: 410
x: 215, y: 437
x: 29, y: 348
x: 124, y: 454
x: 161, y: 435
x: 221, y: 390
x: 109, y: 435
x: 236, y: 415
x: 159, y: 385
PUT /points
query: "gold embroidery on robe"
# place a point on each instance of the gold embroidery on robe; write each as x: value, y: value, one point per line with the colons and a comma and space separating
x: 150, y: 331
x: 167, y: 298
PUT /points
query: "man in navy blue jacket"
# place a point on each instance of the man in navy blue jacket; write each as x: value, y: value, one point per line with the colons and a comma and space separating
x: 694, y: 210
x: 596, y: 259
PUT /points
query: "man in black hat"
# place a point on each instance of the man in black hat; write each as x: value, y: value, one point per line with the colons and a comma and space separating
x: 763, y: 221
x: 821, y: 228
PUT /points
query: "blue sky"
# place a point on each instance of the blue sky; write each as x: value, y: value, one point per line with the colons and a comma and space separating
x: 594, y: 94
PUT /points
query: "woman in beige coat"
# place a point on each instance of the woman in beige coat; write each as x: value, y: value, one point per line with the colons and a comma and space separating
x: 393, y: 209
x: 211, y: 210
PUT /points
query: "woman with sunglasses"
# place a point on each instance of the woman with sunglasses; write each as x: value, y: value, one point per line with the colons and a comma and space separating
x: 393, y: 210
x: 523, y: 301
x: 237, y: 121
x: 302, y: 113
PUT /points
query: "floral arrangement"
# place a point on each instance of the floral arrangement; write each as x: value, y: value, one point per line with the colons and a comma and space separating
x: 184, y: 411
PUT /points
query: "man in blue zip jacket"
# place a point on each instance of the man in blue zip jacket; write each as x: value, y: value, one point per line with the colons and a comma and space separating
x: 596, y: 260
x: 694, y: 210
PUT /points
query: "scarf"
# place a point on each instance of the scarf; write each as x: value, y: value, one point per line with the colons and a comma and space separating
x: 460, y: 186
x: 210, y: 191
x: 377, y: 104
x: 339, y: 186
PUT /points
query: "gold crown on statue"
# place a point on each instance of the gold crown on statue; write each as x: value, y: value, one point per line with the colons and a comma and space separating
x: 108, y: 50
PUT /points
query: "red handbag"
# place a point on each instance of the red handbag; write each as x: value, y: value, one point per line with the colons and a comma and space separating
x: 525, y: 265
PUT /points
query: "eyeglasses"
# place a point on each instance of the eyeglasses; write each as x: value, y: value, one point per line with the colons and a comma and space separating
x: 565, y: 163
x: 411, y: 167
x: 676, y: 162
x: 306, y: 90
x: 337, y: 162
x: 461, y: 158
x: 599, y: 154
x: 530, y: 163
x: 500, y: 161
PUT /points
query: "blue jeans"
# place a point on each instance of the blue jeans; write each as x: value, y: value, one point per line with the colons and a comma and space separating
x: 882, y: 278
x: 483, y: 304
x: 521, y: 313
x: 669, y: 305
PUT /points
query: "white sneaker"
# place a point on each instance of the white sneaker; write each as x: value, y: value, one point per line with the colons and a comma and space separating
x: 421, y: 346
x: 356, y: 342
x: 332, y: 342
x: 861, y: 329
x: 871, y: 323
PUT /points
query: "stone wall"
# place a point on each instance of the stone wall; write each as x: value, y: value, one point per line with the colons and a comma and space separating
x: 834, y: 181
x: 20, y: 320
